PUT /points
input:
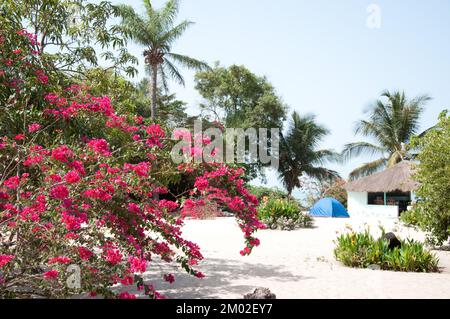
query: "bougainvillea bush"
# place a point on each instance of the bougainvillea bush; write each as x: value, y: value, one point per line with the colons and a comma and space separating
x: 82, y: 186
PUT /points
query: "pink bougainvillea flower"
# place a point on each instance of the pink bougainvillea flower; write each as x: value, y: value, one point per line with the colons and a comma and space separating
x: 72, y: 177
x: 19, y: 137
x: 4, y: 259
x: 169, y: 278
x: 137, y: 264
x: 59, y: 192
x: 113, y: 256
x: 51, y: 274
x: 127, y: 281
x: 59, y: 259
x: 133, y: 208
x: 40, y: 74
x: 62, y: 153
x: 85, y: 253
x: 126, y: 295
x: 201, y: 183
x: 99, y: 146
x: 12, y: 182
x: 33, y: 127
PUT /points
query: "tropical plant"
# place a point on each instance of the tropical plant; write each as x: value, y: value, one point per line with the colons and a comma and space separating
x: 412, y: 217
x: 284, y: 214
x: 361, y: 249
x: 299, y: 154
x: 336, y: 190
x: 392, y: 122
x: 74, y: 35
x: 433, y: 174
x: 171, y: 111
x: 76, y: 202
x: 157, y: 33
x: 267, y: 192
x: 315, y: 189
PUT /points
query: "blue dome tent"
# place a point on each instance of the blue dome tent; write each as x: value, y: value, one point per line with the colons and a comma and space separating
x: 328, y: 207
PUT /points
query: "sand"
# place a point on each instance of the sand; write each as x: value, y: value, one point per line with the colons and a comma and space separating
x: 294, y: 264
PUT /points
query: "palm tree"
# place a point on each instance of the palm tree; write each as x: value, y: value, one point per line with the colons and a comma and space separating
x: 157, y: 33
x: 391, y: 123
x: 298, y: 154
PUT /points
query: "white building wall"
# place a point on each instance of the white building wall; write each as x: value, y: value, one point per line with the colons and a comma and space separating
x: 358, y: 207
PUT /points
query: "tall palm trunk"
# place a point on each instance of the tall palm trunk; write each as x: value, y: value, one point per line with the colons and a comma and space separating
x: 153, y: 89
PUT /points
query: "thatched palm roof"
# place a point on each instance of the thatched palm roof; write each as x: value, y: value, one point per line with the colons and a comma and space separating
x: 396, y: 178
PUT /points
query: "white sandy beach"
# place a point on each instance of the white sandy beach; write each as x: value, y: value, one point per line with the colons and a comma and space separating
x: 296, y: 264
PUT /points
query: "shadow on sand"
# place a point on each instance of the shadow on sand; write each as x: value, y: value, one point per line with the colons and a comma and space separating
x: 220, y: 280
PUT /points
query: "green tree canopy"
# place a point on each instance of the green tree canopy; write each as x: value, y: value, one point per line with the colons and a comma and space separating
x: 74, y: 35
x: 433, y: 174
x: 239, y: 98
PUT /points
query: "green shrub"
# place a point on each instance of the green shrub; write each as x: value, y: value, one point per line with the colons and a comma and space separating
x: 270, y: 192
x: 361, y: 250
x: 433, y: 174
x: 411, y: 217
x: 285, y: 214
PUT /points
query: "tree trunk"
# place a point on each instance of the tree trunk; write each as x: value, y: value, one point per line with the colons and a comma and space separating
x: 154, y: 86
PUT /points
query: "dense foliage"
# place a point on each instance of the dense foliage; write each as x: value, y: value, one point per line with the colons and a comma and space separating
x: 412, y: 217
x: 270, y: 192
x: 361, y: 249
x: 74, y: 35
x: 239, y: 98
x: 316, y: 189
x: 433, y: 174
x: 299, y: 153
x: 78, y: 183
x: 284, y: 214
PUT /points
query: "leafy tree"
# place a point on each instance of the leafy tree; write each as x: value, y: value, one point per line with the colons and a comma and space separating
x: 433, y: 174
x: 239, y: 98
x: 391, y: 123
x: 299, y: 155
x: 71, y: 32
x: 336, y: 190
x: 172, y: 112
x: 157, y: 33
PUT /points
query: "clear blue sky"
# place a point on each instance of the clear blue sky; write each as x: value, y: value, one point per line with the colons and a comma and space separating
x: 321, y: 56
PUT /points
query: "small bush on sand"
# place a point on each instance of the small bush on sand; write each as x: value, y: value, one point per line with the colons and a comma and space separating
x: 283, y: 214
x: 361, y: 250
x: 412, y: 217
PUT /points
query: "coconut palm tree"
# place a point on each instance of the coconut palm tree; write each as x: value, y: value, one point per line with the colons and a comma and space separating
x: 392, y: 122
x: 299, y: 155
x: 157, y: 32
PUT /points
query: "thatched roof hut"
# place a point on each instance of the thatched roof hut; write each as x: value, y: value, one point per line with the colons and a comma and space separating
x: 396, y: 178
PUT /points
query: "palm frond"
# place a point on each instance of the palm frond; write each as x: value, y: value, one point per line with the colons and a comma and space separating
x: 357, y: 148
x: 368, y: 168
x: 175, y: 33
x: 170, y: 12
x: 321, y: 173
x: 189, y: 62
x: 163, y: 78
x: 172, y: 70
x: 133, y: 25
